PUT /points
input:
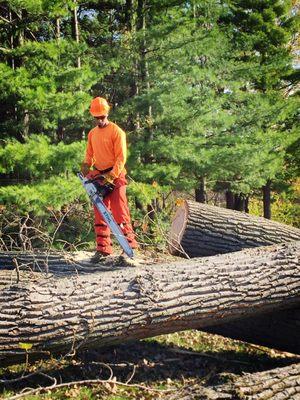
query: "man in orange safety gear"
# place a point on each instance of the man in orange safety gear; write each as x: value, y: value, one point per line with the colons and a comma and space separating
x: 106, y: 155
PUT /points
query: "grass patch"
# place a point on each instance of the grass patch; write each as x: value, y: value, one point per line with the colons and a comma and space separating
x: 165, y: 362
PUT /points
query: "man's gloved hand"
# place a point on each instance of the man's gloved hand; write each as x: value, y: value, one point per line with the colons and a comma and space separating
x: 103, y: 186
x: 107, y: 178
x: 85, y: 169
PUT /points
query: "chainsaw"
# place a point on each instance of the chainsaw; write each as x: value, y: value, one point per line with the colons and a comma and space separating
x: 97, y: 193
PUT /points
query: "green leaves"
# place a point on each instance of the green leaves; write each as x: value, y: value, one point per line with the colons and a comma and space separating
x: 52, y: 193
x: 197, y: 86
x: 37, y: 158
x: 25, y: 346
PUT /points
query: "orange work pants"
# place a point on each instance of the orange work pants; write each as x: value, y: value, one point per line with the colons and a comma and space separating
x: 117, y: 203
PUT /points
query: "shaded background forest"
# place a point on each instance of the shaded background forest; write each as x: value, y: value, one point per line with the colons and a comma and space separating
x: 207, y: 91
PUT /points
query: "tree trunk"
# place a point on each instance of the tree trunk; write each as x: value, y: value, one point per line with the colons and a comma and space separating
x: 11, y: 39
x: 267, y: 199
x: 204, y: 230
x: 276, y: 384
x: 131, y: 14
x: 229, y: 200
x: 26, y: 122
x: 239, y: 202
x: 70, y: 307
x: 76, y: 33
x: 57, y: 29
x: 142, y: 17
x: 200, y: 192
x: 247, y: 204
x: 269, y: 330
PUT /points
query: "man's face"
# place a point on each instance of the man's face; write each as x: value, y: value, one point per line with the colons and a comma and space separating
x: 101, y: 120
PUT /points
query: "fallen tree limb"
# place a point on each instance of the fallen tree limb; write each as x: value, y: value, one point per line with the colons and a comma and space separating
x: 279, y: 383
x: 276, y: 384
x: 204, y: 230
x: 59, y: 313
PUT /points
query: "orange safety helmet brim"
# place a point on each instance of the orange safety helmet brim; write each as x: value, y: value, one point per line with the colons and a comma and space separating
x: 99, y: 106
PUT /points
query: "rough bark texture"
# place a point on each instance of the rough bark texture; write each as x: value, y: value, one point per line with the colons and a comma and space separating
x: 279, y: 329
x: 204, y: 230
x: 267, y: 199
x: 279, y: 383
x: 200, y: 192
x: 276, y: 384
x: 65, y: 308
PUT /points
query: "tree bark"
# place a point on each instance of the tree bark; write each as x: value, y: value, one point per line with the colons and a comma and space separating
x: 229, y: 199
x: 200, y: 192
x: 247, y: 204
x: 204, y: 230
x: 57, y: 29
x: 239, y: 202
x: 76, y: 33
x: 279, y: 383
x: 267, y: 199
x: 70, y: 307
x: 276, y: 384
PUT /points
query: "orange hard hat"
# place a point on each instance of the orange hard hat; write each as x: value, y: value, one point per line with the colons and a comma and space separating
x: 99, y: 106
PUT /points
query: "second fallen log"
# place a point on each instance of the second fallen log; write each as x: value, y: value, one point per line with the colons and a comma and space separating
x: 204, y: 230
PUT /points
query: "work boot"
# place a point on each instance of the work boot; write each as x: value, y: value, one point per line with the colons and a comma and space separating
x: 98, y: 256
x: 125, y: 260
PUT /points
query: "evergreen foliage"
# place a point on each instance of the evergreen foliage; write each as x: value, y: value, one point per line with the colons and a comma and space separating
x: 206, y: 91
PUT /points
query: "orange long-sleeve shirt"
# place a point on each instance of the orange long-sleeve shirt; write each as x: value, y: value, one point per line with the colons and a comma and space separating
x: 106, y: 147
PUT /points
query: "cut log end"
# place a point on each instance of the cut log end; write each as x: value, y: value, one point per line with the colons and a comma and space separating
x: 203, y: 230
x: 177, y: 230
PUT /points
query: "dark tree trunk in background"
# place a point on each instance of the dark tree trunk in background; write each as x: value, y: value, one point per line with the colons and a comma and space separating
x: 267, y: 199
x: 239, y: 202
x: 131, y: 13
x: 247, y: 205
x: 142, y: 25
x: 229, y: 199
x: 200, y: 192
x: 76, y: 32
x: 11, y: 39
x: 204, y: 230
x: 71, y: 306
x: 26, y: 122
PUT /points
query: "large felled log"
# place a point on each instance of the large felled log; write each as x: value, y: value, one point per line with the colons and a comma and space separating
x: 203, y: 230
x: 279, y: 329
x: 129, y: 303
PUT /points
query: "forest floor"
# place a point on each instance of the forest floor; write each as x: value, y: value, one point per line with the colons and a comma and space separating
x: 162, y: 367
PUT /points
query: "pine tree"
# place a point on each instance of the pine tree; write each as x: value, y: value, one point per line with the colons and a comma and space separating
x: 262, y: 32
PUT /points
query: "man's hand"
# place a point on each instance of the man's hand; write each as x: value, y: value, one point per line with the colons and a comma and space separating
x: 85, y: 169
x: 109, y: 178
x: 105, y: 178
